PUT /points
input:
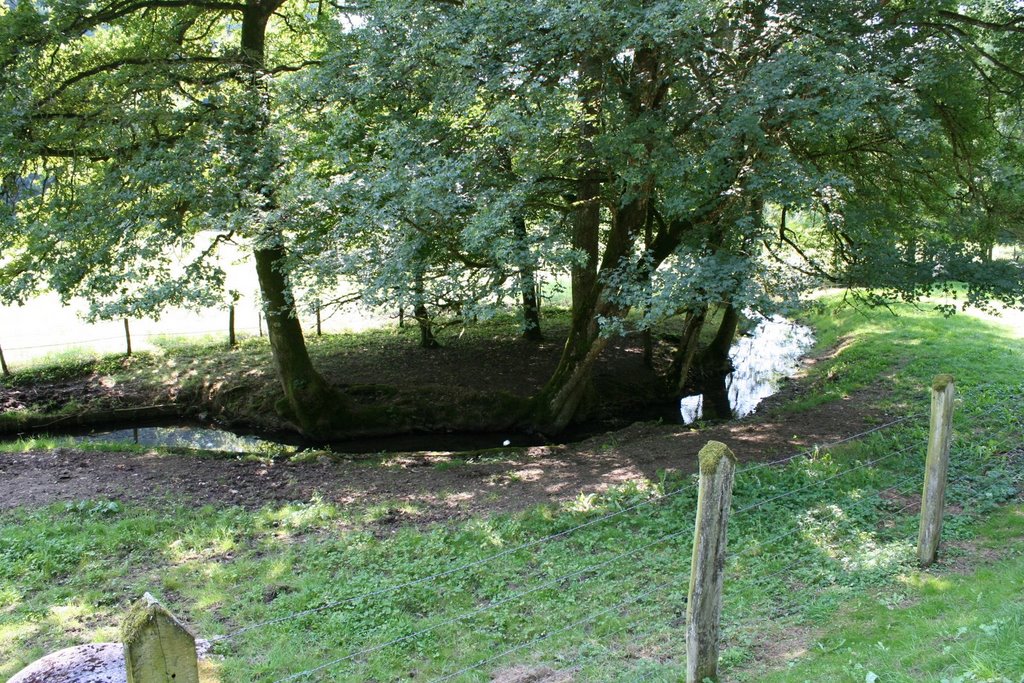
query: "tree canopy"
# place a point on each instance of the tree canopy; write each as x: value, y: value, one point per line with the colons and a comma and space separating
x: 671, y: 157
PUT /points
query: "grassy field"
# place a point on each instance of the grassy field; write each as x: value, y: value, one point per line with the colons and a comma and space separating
x: 821, y: 582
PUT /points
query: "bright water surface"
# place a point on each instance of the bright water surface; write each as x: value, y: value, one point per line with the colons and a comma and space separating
x: 761, y: 360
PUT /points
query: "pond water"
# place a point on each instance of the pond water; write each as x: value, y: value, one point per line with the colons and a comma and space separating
x: 209, y: 438
x: 761, y: 360
x: 183, y: 436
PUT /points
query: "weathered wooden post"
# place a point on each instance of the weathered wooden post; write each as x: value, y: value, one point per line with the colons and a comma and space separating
x: 157, y: 647
x: 933, y: 497
x: 127, y: 338
x: 3, y: 364
x: 232, y: 339
x: 707, y: 568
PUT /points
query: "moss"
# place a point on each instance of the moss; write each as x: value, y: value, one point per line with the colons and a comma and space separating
x: 941, y: 382
x: 712, y: 452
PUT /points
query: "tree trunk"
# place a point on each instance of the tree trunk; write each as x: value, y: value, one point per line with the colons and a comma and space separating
x: 569, y: 392
x: 308, y: 400
x: 3, y: 364
x: 679, y: 372
x: 527, y: 285
x: 648, y: 340
x: 427, y: 339
x: 714, y: 367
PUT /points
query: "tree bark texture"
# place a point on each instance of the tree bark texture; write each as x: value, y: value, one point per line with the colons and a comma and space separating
x: 308, y: 400
x: 527, y: 285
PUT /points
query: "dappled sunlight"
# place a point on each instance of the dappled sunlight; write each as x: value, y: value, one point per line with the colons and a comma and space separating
x: 490, y: 535
x: 14, y: 631
x: 926, y: 582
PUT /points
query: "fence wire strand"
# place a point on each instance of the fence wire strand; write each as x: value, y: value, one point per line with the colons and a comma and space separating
x: 449, y: 572
x: 576, y: 624
x: 493, y: 605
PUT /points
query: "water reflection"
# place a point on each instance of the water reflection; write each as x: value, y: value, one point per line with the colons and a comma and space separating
x: 760, y: 361
x: 199, y: 438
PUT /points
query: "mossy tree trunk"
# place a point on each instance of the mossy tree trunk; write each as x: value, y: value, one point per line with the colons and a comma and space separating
x: 422, y: 315
x: 715, y: 366
x: 527, y: 284
x: 568, y: 394
x: 679, y: 371
x: 308, y: 400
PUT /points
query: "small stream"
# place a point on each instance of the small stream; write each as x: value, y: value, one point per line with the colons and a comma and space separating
x: 761, y: 360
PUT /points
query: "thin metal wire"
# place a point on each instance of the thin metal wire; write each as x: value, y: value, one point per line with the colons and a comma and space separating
x: 786, y: 534
x: 448, y: 572
x: 69, y: 344
x: 539, y: 639
x: 498, y: 603
x: 576, y: 665
x: 971, y: 473
x: 869, y: 463
x: 414, y: 582
x: 145, y: 335
x: 823, y: 447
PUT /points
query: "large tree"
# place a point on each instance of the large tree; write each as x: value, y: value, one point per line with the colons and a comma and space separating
x: 669, y: 133
x: 147, y: 132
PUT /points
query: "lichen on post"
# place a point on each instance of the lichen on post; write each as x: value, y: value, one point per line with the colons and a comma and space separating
x: 704, y: 605
x: 158, y: 648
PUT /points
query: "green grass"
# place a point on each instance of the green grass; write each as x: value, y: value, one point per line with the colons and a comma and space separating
x: 906, y: 349
x: 827, y: 569
x: 931, y: 626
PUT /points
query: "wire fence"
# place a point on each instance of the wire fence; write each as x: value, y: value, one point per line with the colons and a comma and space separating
x: 785, y: 531
x: 21, y: 348
x: 893, y: 470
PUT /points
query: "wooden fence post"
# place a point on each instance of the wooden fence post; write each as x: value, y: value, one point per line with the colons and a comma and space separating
x: 933, y: 496
x: 3, y: 364
x: 707, y: 568
x: 232, y: 340
x: 127, y: 338
x: 157, y: 647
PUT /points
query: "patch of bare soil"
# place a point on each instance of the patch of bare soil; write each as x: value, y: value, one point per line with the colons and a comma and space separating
x: 963, y: 557
x: 442, y: 486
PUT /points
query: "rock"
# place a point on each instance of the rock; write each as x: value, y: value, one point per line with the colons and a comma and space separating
x: 94, y: 663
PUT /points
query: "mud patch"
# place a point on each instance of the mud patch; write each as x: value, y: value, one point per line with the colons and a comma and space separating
x: 419, y: 488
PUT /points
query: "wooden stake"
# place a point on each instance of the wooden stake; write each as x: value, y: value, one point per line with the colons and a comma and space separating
x: 933, y: 497
x: 157, y: 647
x: 319, y: 330
x: 707, y: 567
x: 232, y: 340
x: 127, y: 337
x: 259, y: 321
x: 3, y: 364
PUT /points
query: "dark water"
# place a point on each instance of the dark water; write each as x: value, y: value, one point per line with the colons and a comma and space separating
x: 761, y: 360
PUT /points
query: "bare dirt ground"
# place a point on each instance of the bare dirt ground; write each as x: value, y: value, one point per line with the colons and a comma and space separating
x: 441, y: 486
